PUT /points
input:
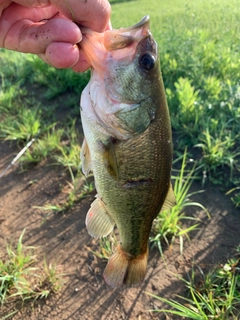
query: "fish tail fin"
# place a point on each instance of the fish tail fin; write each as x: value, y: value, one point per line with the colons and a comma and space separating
x: 124, y: 269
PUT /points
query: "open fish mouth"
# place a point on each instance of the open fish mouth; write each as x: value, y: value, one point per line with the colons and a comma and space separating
x: 124, y: 37
x: 145, y: 21
x: 98, y: 45
x: 117, y: 58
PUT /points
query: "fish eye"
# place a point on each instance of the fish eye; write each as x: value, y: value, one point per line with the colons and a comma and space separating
x: 147, y: 61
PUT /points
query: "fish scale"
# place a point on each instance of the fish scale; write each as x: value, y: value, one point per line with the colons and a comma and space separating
x: 128, y: 144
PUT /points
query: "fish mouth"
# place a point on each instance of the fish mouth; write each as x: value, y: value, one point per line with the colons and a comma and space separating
x: 144, y: 22
x: 124, y: 37
x: 98, y: 45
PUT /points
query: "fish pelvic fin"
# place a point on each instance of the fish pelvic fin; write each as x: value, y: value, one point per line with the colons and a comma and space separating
x: 99, y: 223
x: 123, y: 269
x: 85, y: 158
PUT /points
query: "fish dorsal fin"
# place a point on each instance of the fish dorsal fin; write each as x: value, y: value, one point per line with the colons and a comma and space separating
x: 99, y: 223
x: 109, y: 158
x: 85, y: 158
x: 170, y: 200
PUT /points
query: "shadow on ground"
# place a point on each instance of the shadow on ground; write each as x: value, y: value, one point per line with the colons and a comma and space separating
x: 63, y: 239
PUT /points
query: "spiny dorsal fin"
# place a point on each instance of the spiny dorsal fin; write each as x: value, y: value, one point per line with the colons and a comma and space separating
x: 170, y: 200
x: 85, y: 158
x: 98, y: 221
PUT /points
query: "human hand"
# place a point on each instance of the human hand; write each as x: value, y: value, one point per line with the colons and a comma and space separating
x: 46, y: 28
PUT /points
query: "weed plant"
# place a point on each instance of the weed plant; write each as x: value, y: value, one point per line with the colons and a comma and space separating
x: 199, y: 51
x: 20, y: 279
x: 75, y: 191
x: 25, y: 126
x: 58, y: 81
x: 236, y: 194
x: 43, y: 147
x: 200, y: 69
x: 168, y: 225
x: 107, y: 246
x: 215, y: 296
x: 218, y: 153
x: 69, y: 150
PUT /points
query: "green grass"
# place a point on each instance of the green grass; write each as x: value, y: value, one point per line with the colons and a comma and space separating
x: 216, y: 295
x: 20, y: 279
x: 200, y: 62
x: 199, y: 52
x: 23, y: 126
x: 107, y: 246
x: 236, y: 193
x: 74, y: 191
x: 218, y: 152
x: 169, y: 224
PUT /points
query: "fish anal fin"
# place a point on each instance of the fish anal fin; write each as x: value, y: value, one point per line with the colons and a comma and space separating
x: 170, y: 200
x: 124, y: 269
x: 85, y: 158
x: 99, y: 223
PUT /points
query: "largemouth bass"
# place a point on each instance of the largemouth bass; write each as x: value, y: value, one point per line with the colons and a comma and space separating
x: 128, y: 144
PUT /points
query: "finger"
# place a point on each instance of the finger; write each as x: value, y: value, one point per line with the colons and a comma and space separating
x: 93, y: 14
x: 83, y: 63
x: 26, y: 36
x: 14, y: 13
x: 109, y: 25
x: 33, y: 3
x: 71, y: 57
x: 61, y: 55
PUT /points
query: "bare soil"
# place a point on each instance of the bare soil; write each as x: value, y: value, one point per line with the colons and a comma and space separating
x: 63, y: 238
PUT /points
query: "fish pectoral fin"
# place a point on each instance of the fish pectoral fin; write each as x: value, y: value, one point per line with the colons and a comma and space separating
x: 85, y: 158
x: 99, y: 223
x: 109, y: 157
x: 124, y: 269
x: 170, y: 200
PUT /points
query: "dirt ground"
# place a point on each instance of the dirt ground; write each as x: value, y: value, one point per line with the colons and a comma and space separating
x: 64, y: 239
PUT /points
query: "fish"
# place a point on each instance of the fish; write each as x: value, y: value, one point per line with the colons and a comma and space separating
x: 127, y: 144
